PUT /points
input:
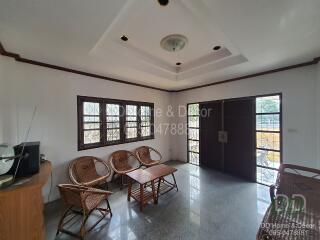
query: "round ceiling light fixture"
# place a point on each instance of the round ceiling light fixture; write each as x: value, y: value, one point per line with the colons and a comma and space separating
x: 163, y: 2
x: 174, y: 42
x: 178, y: 63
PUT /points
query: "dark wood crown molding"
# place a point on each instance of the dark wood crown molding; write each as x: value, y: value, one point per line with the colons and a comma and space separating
x: 312, y: 62
x: 18, y: 58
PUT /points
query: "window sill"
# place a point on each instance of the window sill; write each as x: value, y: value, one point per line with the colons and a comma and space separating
x: 82, y: 148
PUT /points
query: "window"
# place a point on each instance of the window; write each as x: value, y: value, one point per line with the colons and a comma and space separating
x: 145, y: 114
x: 131, y: 122
x: 113, y: 122
x: 103, y: 122
x: 193, y: 134
x: 268, y: 138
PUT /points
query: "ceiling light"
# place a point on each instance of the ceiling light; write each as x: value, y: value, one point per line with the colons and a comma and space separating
x: 216, y: 48
x: 173, y: 42
x: 178, y: 63
x: 163, y: 2
x: 124, y: 38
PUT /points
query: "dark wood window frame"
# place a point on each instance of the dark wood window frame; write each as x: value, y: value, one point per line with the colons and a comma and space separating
x: 188, y: 135
x: 280, y: 150
x: 103, y: 128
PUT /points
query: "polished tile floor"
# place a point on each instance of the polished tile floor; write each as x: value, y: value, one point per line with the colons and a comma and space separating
x: 208, y: 205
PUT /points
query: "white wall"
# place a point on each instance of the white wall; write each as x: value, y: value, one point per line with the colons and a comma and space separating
x: 299, y: 110
x: 55, y: 125
x: 2, y: 90
x: 23, y: 86
x: 318, y: 112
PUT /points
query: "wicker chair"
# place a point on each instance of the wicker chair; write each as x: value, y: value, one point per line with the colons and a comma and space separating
x: 120, y: 164
x: 87, y: 199
x: 293, y: 181
x: 144, y: 156
x: 82, y: 171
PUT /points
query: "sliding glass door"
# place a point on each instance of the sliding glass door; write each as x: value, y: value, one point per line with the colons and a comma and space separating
x: 268, y: 138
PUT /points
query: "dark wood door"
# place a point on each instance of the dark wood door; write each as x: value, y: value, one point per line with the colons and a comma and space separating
x: 210, y: 124
x: 239, y: 123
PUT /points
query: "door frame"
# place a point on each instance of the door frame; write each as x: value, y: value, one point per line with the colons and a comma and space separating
x: 255, y: 138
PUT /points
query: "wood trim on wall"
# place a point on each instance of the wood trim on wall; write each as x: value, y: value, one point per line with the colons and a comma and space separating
x: 18, y: 58
x: 314, y: 61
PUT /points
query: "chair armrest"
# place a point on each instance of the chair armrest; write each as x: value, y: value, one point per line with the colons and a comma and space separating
x: 157, y: 153
x: 93, y: 182
x: 272, y: 191
x: 98, y: 191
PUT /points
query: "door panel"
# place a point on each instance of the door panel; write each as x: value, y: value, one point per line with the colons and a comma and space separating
x: 239, y: 123
x: 210, y: 124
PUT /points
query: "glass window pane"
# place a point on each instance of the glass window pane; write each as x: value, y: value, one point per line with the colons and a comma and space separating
x: 268, y: 140
x: 144, y: 118
x: 266, y: 176
x: 194, y: 146
x: 131, y: 118
x: 113, y: 119
x: 91, y: 108
x: 145, y: 131
x: 145, y: 124
x: 145, y: 110
x: 268, y: 158
x: 193, y: 109
x: 268, y: 122
x: 194, y: 158
x: 113, y: 125
x: 113, y: 109
x: 193, y: 122
x: 193, y: 133
x: 113, y: 134
x: 131, y: 133
x: 270, y: 104
x: 91, y: 119
x: 91, y: 126
x: 131, y: 124
x: 91, y: 136
x: 131, y: 110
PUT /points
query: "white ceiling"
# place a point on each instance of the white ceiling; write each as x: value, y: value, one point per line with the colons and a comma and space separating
x: 256, y: 35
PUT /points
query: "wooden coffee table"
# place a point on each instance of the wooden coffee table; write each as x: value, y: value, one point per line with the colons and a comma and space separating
x: 142, y: 194
x: 148, y: 178
x: 161, y: 171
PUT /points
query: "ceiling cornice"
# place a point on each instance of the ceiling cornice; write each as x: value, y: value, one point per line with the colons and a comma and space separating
x: 18, y: 58
x: 304, y: 64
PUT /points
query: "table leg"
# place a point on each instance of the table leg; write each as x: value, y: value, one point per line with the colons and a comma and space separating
x: 154, y: 194
x: 129, y: 189
x: 141, y: 197
x: 175, y: 182
x: 158, y: 189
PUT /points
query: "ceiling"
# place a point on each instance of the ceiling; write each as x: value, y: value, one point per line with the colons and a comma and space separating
x: 254, y: 35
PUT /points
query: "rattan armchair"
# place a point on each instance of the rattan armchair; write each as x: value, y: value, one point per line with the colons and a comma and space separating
x: 144, y: 156
x: 82, y: 171
x: 294, y: 212
x: 86, y: 199
x: 120, y: 163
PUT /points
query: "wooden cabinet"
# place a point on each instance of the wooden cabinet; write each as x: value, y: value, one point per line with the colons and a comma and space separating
x: 21, y: 208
